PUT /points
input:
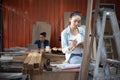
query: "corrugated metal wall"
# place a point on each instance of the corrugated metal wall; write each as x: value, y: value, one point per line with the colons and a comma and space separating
x: 0, y: 25
x: 20, y: 15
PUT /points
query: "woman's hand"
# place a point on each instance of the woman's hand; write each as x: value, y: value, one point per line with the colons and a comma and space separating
x: 74, y: 42
x: 73, y: 45
x: 80, y: 45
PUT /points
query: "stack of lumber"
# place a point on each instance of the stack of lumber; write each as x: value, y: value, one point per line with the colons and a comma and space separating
x: 20, y: 58
x: 33, y: 63
x: 12, y: 61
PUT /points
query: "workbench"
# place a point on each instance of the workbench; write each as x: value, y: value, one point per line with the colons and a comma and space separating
x: 57, y: 75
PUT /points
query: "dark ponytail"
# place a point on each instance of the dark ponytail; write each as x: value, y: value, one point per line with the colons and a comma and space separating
x: 43, y: 34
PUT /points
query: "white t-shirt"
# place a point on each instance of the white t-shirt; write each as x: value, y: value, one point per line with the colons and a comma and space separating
x: 77, y: 50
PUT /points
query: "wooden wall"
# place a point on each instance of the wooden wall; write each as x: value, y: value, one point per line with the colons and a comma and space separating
x: 20, y: 15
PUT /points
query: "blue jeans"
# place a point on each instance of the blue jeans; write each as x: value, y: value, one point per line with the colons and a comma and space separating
x: 75, y: 59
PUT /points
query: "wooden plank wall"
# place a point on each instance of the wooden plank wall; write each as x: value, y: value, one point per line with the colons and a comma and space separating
x: 20, y: 15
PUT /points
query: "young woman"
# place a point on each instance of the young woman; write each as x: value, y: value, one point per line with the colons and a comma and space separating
x: 72, y: 39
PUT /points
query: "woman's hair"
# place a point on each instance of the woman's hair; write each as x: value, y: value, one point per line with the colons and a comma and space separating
x: 74, y: 13
x: 43, y: 34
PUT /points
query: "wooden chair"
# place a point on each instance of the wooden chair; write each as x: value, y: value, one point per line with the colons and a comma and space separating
x: 39, y: 27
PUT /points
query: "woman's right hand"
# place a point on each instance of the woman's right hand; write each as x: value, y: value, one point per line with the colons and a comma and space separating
x: 74, y: 43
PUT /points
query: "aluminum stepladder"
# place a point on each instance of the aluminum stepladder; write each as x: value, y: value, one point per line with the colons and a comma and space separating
x: 101, y: 50
x: 109, y: 45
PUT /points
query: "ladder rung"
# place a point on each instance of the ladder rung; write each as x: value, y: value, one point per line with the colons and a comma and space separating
x: 113, y: 61
x: 108, y: 77
x: 108, y: 36
x: 109, y: 52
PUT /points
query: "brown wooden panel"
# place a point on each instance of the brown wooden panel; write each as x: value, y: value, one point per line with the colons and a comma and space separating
x: 58, y: 75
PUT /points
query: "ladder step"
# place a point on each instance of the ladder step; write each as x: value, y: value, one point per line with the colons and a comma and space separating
x: 113, y: 61
x: 109, y: 52
x: 109, y: 77
x: 108, y: 36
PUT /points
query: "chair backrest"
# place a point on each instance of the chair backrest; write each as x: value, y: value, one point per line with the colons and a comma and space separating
x: 39, y: 27
x: 66, y: 18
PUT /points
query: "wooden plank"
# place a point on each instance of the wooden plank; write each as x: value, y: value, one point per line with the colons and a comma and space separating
x: 56, y: 76
x: 36, y: 71
x: 32, y: 61
x: 21, y: 58
x: 93, y: 31
x: 37, y: 60
x: 38, y: 64
x: 86, y: 56
x: 28, y: 58
x: 35, y: 65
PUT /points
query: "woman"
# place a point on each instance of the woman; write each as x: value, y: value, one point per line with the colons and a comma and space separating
x: 72, y: 39
x: 42, y: 42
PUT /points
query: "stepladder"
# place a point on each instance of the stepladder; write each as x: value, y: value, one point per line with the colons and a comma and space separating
x: 102, y: 44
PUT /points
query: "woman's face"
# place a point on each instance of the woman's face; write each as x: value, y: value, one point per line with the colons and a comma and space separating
x: 42, y: 38
x: 75, y: 21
